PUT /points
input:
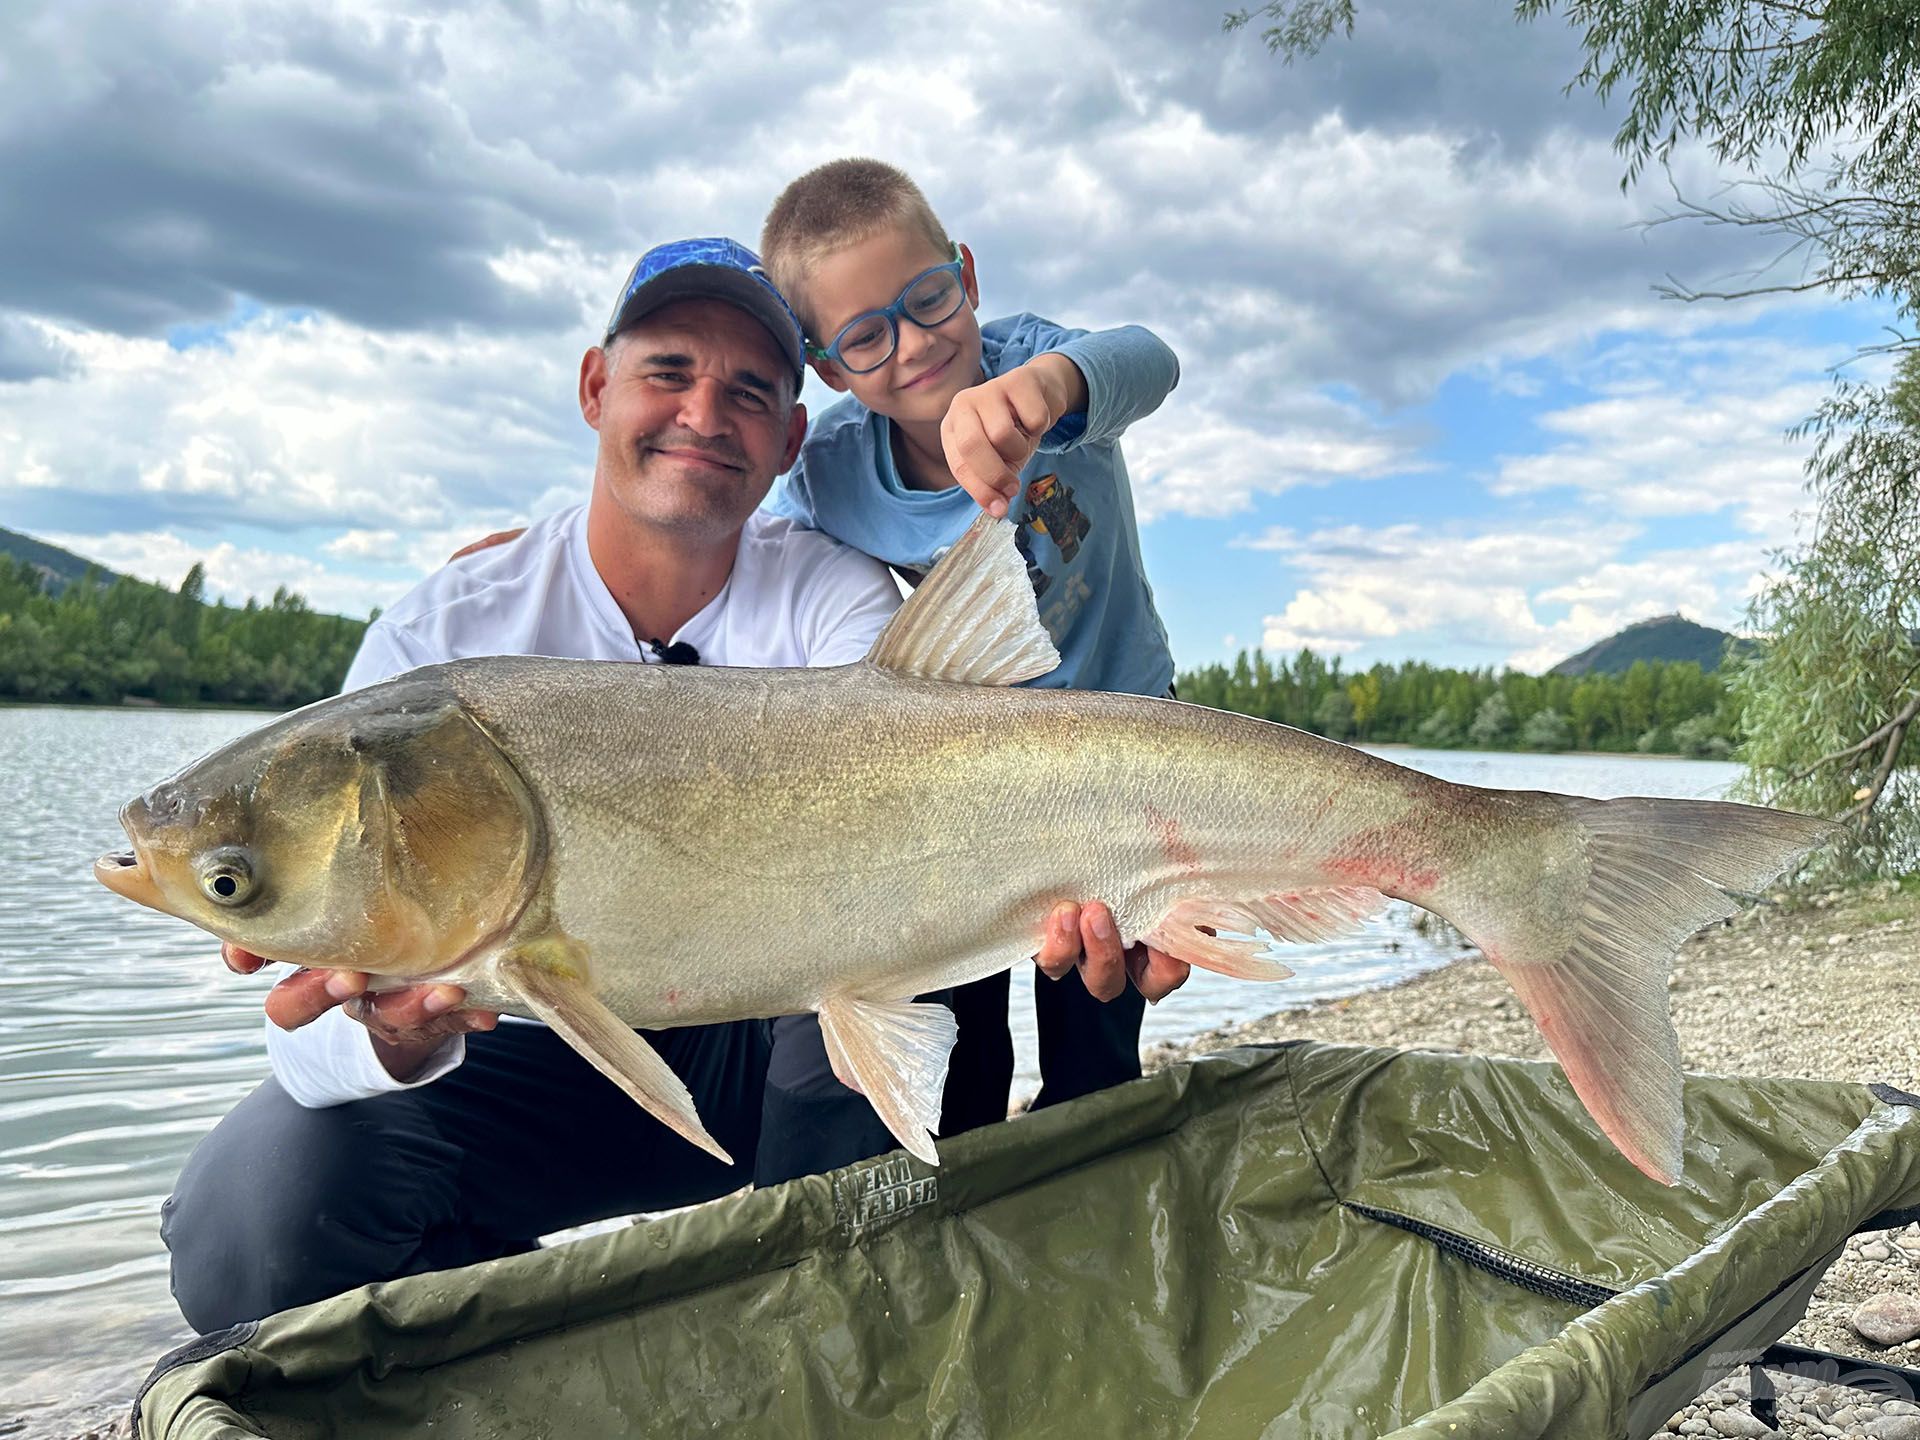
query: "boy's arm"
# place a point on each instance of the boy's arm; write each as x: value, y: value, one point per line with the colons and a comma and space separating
x: 1057, y: 388
x: 1128, y: 372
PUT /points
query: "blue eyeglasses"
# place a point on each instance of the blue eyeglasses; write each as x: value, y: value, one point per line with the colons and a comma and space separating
x: 867, y: 341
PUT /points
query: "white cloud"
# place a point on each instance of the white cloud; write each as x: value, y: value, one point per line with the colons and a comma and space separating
x: 1491, y: 590
x: 307, y: 423
x: 1706, y: 434
x: 233, y: 573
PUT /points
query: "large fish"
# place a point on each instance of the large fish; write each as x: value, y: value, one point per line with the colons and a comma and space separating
x: 609, y: 846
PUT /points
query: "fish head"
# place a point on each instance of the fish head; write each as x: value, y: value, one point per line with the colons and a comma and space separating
x: 381, y: 831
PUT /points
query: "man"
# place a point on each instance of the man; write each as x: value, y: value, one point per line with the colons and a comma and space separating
x: 401, y: 1133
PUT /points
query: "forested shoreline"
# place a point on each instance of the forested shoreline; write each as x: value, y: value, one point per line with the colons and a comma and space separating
x: 101, y: 643
x: 1654, y: 707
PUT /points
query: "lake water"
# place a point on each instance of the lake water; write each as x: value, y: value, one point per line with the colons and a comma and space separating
x: 123, y: 1039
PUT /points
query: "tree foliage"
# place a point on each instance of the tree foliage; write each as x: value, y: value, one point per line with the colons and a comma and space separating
x: 100, y: 643
x: 1832, y: 705
x: 1653, y: 706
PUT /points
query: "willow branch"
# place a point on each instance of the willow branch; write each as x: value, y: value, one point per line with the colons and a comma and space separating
x: 1899, y: 722
x: 1880, y: 776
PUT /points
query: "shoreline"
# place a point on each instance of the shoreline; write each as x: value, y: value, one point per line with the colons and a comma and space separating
x: 139, y: 702
x: 1818, y: 990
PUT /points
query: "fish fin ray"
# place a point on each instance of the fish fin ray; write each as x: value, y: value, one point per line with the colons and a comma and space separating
x: 897, y: 1053
x: 580, y: 1018
x: 1189, y: 930
x: 973, y: 619
x: 1595, y: 982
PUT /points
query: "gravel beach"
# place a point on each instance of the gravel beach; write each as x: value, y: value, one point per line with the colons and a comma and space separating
x: 1823, y: 989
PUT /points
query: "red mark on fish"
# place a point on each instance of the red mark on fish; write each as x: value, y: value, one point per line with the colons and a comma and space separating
x: 1173, y: 841
x: 1368, y: 859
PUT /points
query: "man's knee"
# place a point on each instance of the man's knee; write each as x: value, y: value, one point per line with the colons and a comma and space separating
x: 281, y: 1205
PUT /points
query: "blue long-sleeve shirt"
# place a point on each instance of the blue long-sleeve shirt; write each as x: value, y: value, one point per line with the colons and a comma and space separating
x: 1074, y: 512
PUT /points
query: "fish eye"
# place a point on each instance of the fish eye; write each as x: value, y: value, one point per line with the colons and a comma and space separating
x: 226, y: 877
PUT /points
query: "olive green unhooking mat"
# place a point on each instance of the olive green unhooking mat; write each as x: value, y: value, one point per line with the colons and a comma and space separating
x: 1309, y: 1240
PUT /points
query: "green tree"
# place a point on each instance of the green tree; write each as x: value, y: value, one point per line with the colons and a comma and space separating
x: 1545, y: 730
x: 1829, y: 707
x: 1492, y: 723
x: 1333, y: 715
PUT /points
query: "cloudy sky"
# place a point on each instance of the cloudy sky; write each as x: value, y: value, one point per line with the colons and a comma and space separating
x: 300, y: 289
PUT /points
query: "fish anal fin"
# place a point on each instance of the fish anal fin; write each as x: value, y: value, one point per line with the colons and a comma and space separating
x: 550, y: 975
x: 973, y: 619
x: 1190, y: 931
x: 896, y: 1052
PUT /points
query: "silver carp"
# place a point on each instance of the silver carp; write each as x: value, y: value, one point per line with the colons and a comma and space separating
x: 607, y: 846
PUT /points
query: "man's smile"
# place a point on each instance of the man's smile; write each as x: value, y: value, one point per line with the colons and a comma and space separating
x: 691, y: 455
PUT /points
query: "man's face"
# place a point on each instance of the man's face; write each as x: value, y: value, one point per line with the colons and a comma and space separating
x: 928, y: 368
x: 694, y: 410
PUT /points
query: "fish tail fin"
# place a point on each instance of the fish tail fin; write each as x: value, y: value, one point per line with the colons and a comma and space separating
x: 1587, y: 932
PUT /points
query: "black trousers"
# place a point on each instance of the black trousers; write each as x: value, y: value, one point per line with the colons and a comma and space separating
x: 1085, y: 1045
x: 280, y: 1205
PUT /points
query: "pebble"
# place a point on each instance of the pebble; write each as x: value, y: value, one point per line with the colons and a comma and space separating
x: 1888, y: 1319
x: 1894, y: 1427
x: 1875, y: 1250
x: 1738, y: 1422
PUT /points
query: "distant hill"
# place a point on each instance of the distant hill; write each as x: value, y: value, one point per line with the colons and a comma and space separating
x: 1665, y: 637
x: 60, y: 567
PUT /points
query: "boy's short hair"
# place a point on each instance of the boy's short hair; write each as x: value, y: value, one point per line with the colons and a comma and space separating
x: 833, y: 206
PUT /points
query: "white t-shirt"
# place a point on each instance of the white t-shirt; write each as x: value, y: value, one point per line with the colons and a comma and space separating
x: 795, y: 597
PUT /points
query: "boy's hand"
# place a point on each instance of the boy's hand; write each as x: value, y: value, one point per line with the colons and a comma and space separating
x: 992, y: 430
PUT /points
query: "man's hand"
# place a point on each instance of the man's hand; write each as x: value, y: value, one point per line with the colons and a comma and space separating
x: 498, y: 537
x: 1084, y: 935
x: 992, y: 429
x: 407, y: 1024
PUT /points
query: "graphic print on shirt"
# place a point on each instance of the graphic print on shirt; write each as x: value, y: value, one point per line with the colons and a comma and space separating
x: 1052, y: 516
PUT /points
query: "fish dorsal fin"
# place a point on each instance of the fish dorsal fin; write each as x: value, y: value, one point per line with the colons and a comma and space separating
x: 973, y: 619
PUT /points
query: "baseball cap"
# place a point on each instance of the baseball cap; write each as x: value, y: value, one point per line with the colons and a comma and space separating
x: 713, y: 268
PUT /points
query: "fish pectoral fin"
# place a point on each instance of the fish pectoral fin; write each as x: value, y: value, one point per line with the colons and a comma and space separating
x: 580, y: 1018
x: 973, y: 619
x: 1190, y: 930
x: 897, y: 1052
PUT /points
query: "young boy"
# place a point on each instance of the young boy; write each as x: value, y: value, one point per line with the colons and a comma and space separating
x: 944, y: 416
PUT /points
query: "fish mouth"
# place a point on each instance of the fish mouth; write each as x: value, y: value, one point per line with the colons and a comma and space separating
x: 125, y: 873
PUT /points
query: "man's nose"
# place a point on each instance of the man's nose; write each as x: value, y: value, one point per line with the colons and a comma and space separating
x: 703, y: 407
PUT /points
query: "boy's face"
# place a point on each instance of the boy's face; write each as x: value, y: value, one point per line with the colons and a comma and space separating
x: 928, y: 368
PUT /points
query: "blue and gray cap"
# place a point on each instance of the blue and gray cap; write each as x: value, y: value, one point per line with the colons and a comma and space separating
x: 711, y: 269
